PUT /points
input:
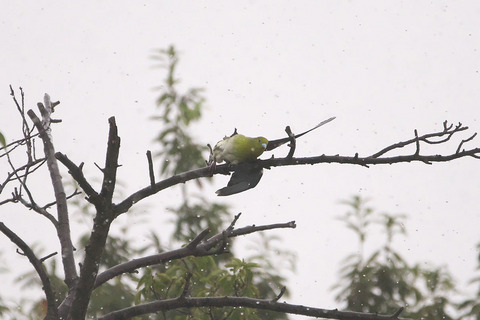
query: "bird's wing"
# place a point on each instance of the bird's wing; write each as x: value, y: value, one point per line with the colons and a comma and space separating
x: 245, y: 177
x: 277, y: 143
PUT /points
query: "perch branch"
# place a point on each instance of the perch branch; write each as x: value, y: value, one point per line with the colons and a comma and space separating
x: 25, y: 126
x: 374, y: 159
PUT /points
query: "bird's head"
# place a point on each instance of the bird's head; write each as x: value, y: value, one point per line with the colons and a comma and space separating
x: 260, y: 144
x: 251, y: 148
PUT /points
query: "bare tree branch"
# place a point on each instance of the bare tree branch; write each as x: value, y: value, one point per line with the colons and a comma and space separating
x: 102, y: 221
x: 447, y: 131
x: 37, y: 264
x: 263, y: 304
x: 77, y: 173
x: 17, y: 196
x: 282, y: 292
x: 374, y: 159
x: 126, y: 204
x: 292, y: 144
x: 111, y: 162
x: 17, y: 143
x: 63, y: 230
x: 427, y: 159
x: 186, y: 288
x: 15, y: 174
x: 25, y: 127
x: 465, y: 140
x: 151, y: 172
x: 73, y: 194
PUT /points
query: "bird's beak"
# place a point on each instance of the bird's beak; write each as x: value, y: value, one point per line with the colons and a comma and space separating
x: 264, y: 145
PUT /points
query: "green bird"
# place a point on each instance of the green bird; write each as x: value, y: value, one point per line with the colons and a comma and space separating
x: 241, y: 150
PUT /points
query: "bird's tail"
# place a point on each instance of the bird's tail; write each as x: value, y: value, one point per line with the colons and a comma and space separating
x: 276, y: 143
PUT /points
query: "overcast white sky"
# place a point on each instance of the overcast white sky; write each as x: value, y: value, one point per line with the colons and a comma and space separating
x: 382, y: 68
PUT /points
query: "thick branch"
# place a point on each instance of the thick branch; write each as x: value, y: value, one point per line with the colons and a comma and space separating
x: 263, y: 304
x: 77, y: 174
x: 195, y: 248
x: 63, y: 230
x: 101, y: 226
x: 126, y: 204
x: 37, y: 264
x: 111, y: 162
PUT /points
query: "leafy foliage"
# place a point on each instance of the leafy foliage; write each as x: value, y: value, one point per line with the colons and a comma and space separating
x: 207, y: 280
x: 3, y: 268
x: 471, y: 307
x: 384, y: 281
x: 31, y: 280
x: 190, y: 220
x: 178, y: 151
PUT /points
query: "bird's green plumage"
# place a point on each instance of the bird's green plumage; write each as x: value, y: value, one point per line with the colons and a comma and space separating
x: 238, y: 148
x: 242, y: 151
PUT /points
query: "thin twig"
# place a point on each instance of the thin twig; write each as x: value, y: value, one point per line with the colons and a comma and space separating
x: 75, y: 193
x: 447, y: 130
x: 194, y: 243
x: 282, y: 291
x: 48, y: 256
x: 465, y: 140
x: 234, y: 221
x: 417, y: 143
x: 151, y: 172
x: 397, y: 313
x: 186, y: 288
x: 292, y: 143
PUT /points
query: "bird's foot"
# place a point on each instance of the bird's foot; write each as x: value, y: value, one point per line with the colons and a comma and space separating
x: 212, y: 166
